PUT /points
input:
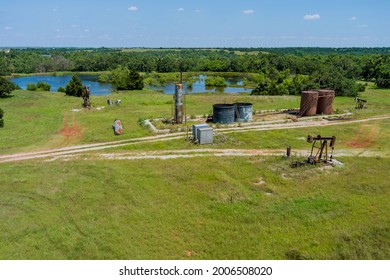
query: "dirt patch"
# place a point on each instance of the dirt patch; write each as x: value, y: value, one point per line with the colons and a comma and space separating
x: 365, y: 138
x: 71, y: 131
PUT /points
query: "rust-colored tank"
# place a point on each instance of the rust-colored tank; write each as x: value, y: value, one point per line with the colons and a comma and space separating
x: 309, y: 100
x: 325, y: 101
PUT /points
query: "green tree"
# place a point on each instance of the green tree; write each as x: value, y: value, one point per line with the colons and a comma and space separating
x: 264, y: 87
x: 135, y: 81
x: 383, y: 77
x: 6, y: 87
x: 125, y: 79
x: 119, y: 77
x: 74, y: 87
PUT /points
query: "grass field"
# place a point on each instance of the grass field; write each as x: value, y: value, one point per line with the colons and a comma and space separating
x: 199, y: 208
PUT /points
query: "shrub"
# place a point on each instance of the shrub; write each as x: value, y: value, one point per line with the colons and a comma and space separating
x: 216, y: 81
x: 32, y: 87
x: 61, y: 89
x: 43, y: 86
x: 104, y: 78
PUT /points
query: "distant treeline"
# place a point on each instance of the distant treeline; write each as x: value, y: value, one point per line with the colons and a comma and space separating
x: 278, y: 67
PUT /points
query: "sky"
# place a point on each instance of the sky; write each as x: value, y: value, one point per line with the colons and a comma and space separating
x: 195, y: 23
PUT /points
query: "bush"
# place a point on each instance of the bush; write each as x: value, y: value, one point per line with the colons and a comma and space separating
x: 215, y: 81
x: 361, y: 87
x: 61, y: 89
x: 104, y: 78
x: 42, y: 86
x: 32, y: 87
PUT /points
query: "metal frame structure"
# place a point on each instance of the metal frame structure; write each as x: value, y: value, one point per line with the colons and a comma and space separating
x: 320, y: 153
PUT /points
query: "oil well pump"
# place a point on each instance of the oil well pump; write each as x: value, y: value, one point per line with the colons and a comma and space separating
x: 360, y: 103
x: 319, y: 149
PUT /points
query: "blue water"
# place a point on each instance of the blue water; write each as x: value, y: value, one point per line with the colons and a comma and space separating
x: 200, y: 86
x: 91, y: 81
x: 97, y: 88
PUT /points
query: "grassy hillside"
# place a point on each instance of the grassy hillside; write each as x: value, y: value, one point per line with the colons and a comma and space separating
x: 199, y: 208
x: 203, y: 208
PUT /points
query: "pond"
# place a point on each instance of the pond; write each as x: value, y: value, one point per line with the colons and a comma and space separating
x: 91, y: 81
x: 235, y: 85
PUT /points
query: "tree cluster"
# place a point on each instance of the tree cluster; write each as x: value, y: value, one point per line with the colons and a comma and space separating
x: 40, y: 86
x: 124, y: 78
x: 338, y: 68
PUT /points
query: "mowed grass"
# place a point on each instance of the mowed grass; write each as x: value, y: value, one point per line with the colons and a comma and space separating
x: 202, y: 208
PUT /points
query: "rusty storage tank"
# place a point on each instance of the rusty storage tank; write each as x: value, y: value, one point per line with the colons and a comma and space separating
x: 223, y: 113
x: 309, y: 100
x: 243, y: 112
x: 325, y: 101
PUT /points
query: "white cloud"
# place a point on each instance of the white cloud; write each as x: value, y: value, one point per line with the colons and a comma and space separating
x: 248, y: 12
x: 86, y: 30
x: 180, y: 10
x: 363, y: 26
x: 198, y: 11
x: 353, y: 18
x: 312, y: 17
x: 133, y: 9
x: 8, y: 28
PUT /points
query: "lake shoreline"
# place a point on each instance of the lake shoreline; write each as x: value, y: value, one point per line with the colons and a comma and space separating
x: 234, y: 81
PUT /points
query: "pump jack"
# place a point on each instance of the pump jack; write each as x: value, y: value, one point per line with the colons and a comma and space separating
x: 321, y: 153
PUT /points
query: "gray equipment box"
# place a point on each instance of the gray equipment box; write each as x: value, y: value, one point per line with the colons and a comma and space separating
x: 195, y: 128
x: 205, y: 135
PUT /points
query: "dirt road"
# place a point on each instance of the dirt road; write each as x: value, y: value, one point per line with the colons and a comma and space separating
x: 72, y: 151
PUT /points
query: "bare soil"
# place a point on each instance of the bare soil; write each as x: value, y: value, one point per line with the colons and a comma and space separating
x: 365, y: 138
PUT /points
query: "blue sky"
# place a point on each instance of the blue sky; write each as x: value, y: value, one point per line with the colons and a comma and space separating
x: 200, y: 23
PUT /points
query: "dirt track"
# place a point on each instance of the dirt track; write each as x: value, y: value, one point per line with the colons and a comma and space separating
x: 72, y: 151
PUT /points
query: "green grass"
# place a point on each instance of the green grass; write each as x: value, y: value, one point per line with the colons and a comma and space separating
x: 215, y: 208
x: 117, y: 210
